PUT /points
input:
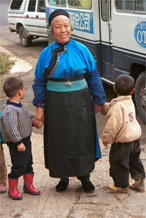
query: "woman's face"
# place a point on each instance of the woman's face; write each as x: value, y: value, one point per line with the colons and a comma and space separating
x: 61, y: 29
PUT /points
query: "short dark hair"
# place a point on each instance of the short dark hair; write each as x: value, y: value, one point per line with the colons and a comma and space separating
x: 12, y: 85
x: 124, y: 84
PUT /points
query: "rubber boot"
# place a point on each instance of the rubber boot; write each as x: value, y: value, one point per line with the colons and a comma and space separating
x: 13, y: 191
x: 28, y: 185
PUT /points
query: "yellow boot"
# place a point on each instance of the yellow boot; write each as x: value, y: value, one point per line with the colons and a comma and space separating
x: 138, y: 185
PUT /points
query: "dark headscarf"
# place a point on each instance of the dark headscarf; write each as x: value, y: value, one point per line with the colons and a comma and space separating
x: 56, y: 13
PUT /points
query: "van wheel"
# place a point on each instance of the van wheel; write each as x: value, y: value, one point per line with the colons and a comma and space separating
x: 140, y: 95
x: 24, y: 39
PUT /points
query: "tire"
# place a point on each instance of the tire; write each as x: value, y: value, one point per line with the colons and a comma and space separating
x: 24, y: 39
x: 140, y: 95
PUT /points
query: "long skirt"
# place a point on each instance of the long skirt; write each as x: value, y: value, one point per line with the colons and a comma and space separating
x: 69, y: 133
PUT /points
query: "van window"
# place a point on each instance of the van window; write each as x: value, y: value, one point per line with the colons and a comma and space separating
x: 31, y: 6
x: 16, y: 4
x: 125, y: 4
x: 80, y: 3
x: 131, y: 5
x: 57, y: 2
x: 41, y: 6
x: 104, y: 10
x: 140, y: 5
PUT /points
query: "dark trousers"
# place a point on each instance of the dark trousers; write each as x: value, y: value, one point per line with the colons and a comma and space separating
x: 83, y: 179
x: 21, y: 160
x: 124, y: 160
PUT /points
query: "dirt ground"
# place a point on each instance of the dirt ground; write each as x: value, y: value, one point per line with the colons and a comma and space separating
x: 73, y: 203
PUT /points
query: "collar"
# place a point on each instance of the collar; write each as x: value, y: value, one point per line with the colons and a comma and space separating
x: 14, y: 103
x: 62, y: 44
x: 121, y: 98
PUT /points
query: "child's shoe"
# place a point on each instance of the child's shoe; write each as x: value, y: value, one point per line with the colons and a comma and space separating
x: 13, y: 191
x: 2, y: 188
x: 118, y: 189
x: 138, y: 185
x: 28, y: 185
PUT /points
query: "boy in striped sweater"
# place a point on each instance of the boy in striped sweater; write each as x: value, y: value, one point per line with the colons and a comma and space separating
x: 16, y: 127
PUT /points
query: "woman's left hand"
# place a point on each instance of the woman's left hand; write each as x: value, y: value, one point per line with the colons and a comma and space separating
x: 38, y: 119
x: 97, y: 108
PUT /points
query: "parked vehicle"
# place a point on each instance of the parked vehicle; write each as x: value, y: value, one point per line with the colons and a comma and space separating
x: 115, y: 32
x: 28, y: 19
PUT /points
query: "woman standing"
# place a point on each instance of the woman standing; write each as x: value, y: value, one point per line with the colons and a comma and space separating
x: 66, y: 87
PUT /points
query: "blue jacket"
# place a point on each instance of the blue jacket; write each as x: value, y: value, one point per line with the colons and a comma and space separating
x: 76, y: 59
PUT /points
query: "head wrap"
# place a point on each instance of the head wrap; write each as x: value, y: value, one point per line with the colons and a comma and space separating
x: 57, y: 13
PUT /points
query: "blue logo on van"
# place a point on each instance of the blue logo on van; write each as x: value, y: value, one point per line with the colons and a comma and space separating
x: 140, y: 33
x: 81, y: 21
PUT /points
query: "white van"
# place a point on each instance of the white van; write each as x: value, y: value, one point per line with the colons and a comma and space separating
x: 115, y: 33
x: 28, y: 19
x: 113, y: 30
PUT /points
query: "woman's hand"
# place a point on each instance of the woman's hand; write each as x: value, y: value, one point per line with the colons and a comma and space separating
x: 21, y: 147
x: 97, y: 108
x: 38, y: 119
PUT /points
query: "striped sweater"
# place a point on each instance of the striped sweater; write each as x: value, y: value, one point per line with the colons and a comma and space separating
x: 15, y: 122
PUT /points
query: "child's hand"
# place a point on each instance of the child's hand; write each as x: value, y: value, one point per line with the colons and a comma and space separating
x: 21, y: 147
x: 105, y: 108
